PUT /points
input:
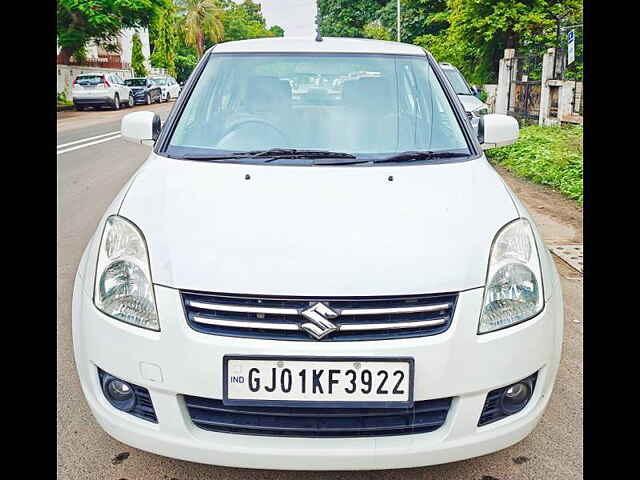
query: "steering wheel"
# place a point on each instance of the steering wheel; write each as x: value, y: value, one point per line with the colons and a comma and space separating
x: 236, y: 126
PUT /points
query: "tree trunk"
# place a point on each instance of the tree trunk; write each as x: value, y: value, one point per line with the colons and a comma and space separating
x: 65, y: 55
x: 512, y: 39
x: 200, y: 46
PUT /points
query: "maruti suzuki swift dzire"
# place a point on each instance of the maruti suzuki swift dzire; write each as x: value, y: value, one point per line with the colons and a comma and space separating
x: 316, y: 268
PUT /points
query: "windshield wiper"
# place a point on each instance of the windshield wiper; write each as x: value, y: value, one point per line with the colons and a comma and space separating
x: 410, y: 156
x: 271, y: 155
x: 211, y: 158
x: 277, y: 153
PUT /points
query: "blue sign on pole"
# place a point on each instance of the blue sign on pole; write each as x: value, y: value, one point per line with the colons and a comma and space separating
x: 571, y: 50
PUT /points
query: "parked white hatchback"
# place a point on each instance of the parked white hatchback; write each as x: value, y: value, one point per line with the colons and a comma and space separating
x: 100, y: 90
x: 170, y: 88
x: 318, y: 282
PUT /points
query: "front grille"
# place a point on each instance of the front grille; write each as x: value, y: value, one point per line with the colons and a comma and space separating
x: 425, y: 416
x: 356, y: 318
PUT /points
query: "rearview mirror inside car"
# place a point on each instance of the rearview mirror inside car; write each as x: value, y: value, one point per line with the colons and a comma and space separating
x: 495, y: 130
x: 141, y: 127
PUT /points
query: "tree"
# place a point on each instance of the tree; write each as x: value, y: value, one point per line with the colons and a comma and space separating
x: 375, y: 30
x: 417, y: 17
x: 479, y: 32
x: 163, y: 33
x: 137, y: 57
x: 100, y: 21
x: 245, y: 20
x: 201, y: 20
x: 184, y: 66
x: 347, y: 19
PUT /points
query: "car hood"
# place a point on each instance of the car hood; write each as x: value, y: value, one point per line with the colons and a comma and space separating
x: 318, y: 231
x: 471, y: 103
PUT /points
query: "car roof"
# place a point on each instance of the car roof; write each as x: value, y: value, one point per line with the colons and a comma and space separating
x: 310, y: 45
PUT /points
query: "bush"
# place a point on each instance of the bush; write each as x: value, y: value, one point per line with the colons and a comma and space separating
x: 546, y: 155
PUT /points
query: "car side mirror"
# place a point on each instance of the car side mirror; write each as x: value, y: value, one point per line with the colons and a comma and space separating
x: 141, y: 127
x: 495, y: 130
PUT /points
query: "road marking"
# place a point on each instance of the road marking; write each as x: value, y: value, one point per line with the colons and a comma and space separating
x: 88, y: 144
x: 86, y: 139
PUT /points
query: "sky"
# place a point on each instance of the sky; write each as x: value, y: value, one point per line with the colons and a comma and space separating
x: 297, y: 17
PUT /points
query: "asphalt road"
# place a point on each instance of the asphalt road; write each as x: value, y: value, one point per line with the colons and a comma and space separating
x: 88, y: 179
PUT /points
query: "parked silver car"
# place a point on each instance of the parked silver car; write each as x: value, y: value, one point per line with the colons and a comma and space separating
x: 467, y: 94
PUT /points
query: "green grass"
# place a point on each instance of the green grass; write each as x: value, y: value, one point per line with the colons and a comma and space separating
x: 546, y: 155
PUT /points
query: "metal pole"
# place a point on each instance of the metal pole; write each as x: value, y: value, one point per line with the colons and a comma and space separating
x: 398, y: 15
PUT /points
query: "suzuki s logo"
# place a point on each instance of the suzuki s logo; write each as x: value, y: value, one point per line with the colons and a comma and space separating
x: 318, y: 325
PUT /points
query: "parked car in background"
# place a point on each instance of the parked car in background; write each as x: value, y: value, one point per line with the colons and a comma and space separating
x: 170, y: 88
x: 467, y: 94
x: 291, y: 283
x: 100, y: 90
x: 145, y: 90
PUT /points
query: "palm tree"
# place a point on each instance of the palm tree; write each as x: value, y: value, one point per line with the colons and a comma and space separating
x: 201, y: 19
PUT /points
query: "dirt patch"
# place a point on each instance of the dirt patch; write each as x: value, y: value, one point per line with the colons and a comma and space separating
x: 558, y: 218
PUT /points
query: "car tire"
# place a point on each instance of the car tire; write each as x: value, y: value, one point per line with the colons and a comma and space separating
x: 167, y: 97
x: 79, y: 108
x: 131, y: 102
x: 116, y: 102
x: 147, y: 99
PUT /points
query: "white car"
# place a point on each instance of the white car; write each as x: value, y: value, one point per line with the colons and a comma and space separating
x: 100, y: 90
x: 313, y: 285
x: 467, y: 94
x: 170, y: 88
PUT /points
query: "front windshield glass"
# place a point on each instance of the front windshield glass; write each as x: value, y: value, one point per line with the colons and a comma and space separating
x: 136, y: 82
x: 160, y: 81
x: 457, y: 81
x: 358, y: 104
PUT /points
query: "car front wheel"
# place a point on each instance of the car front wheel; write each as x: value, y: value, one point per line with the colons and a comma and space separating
x: 116, y: 102
x: 147, y: 99
x: 131, y: 102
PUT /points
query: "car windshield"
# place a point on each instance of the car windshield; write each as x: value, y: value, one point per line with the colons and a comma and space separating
x: 136, y: 82
x: 87, y: 80
x: 457, y: 81
x: 356, y: 104
x: 160, y: 81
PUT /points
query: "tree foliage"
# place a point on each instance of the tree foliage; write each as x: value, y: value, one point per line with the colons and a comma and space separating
x: 375, y: 30
x: 137, y: 57
x: 163, y: 39
x: 471, y: 34
x: 82, y: 21
x: 339, y: 18
x: 201, y: 20
x: 239, y: 21
x: 479, y: 31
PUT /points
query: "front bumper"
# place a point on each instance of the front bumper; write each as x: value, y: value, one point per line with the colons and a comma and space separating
x: 139, y: 96
x: 457, y: 363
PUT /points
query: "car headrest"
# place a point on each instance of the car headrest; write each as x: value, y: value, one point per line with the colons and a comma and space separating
x: 370, y: 92
x: 268, y: 93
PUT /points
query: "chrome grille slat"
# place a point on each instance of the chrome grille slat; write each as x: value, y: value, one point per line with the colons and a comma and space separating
x: 242, y: 308
x: 352, y: 327
x: 240, y: 324
x: 287, y: 318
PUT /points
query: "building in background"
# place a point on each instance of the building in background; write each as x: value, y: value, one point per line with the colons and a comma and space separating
x: 98, y: 59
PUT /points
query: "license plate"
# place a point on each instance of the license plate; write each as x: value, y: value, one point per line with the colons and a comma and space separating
x: 318, y: 381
